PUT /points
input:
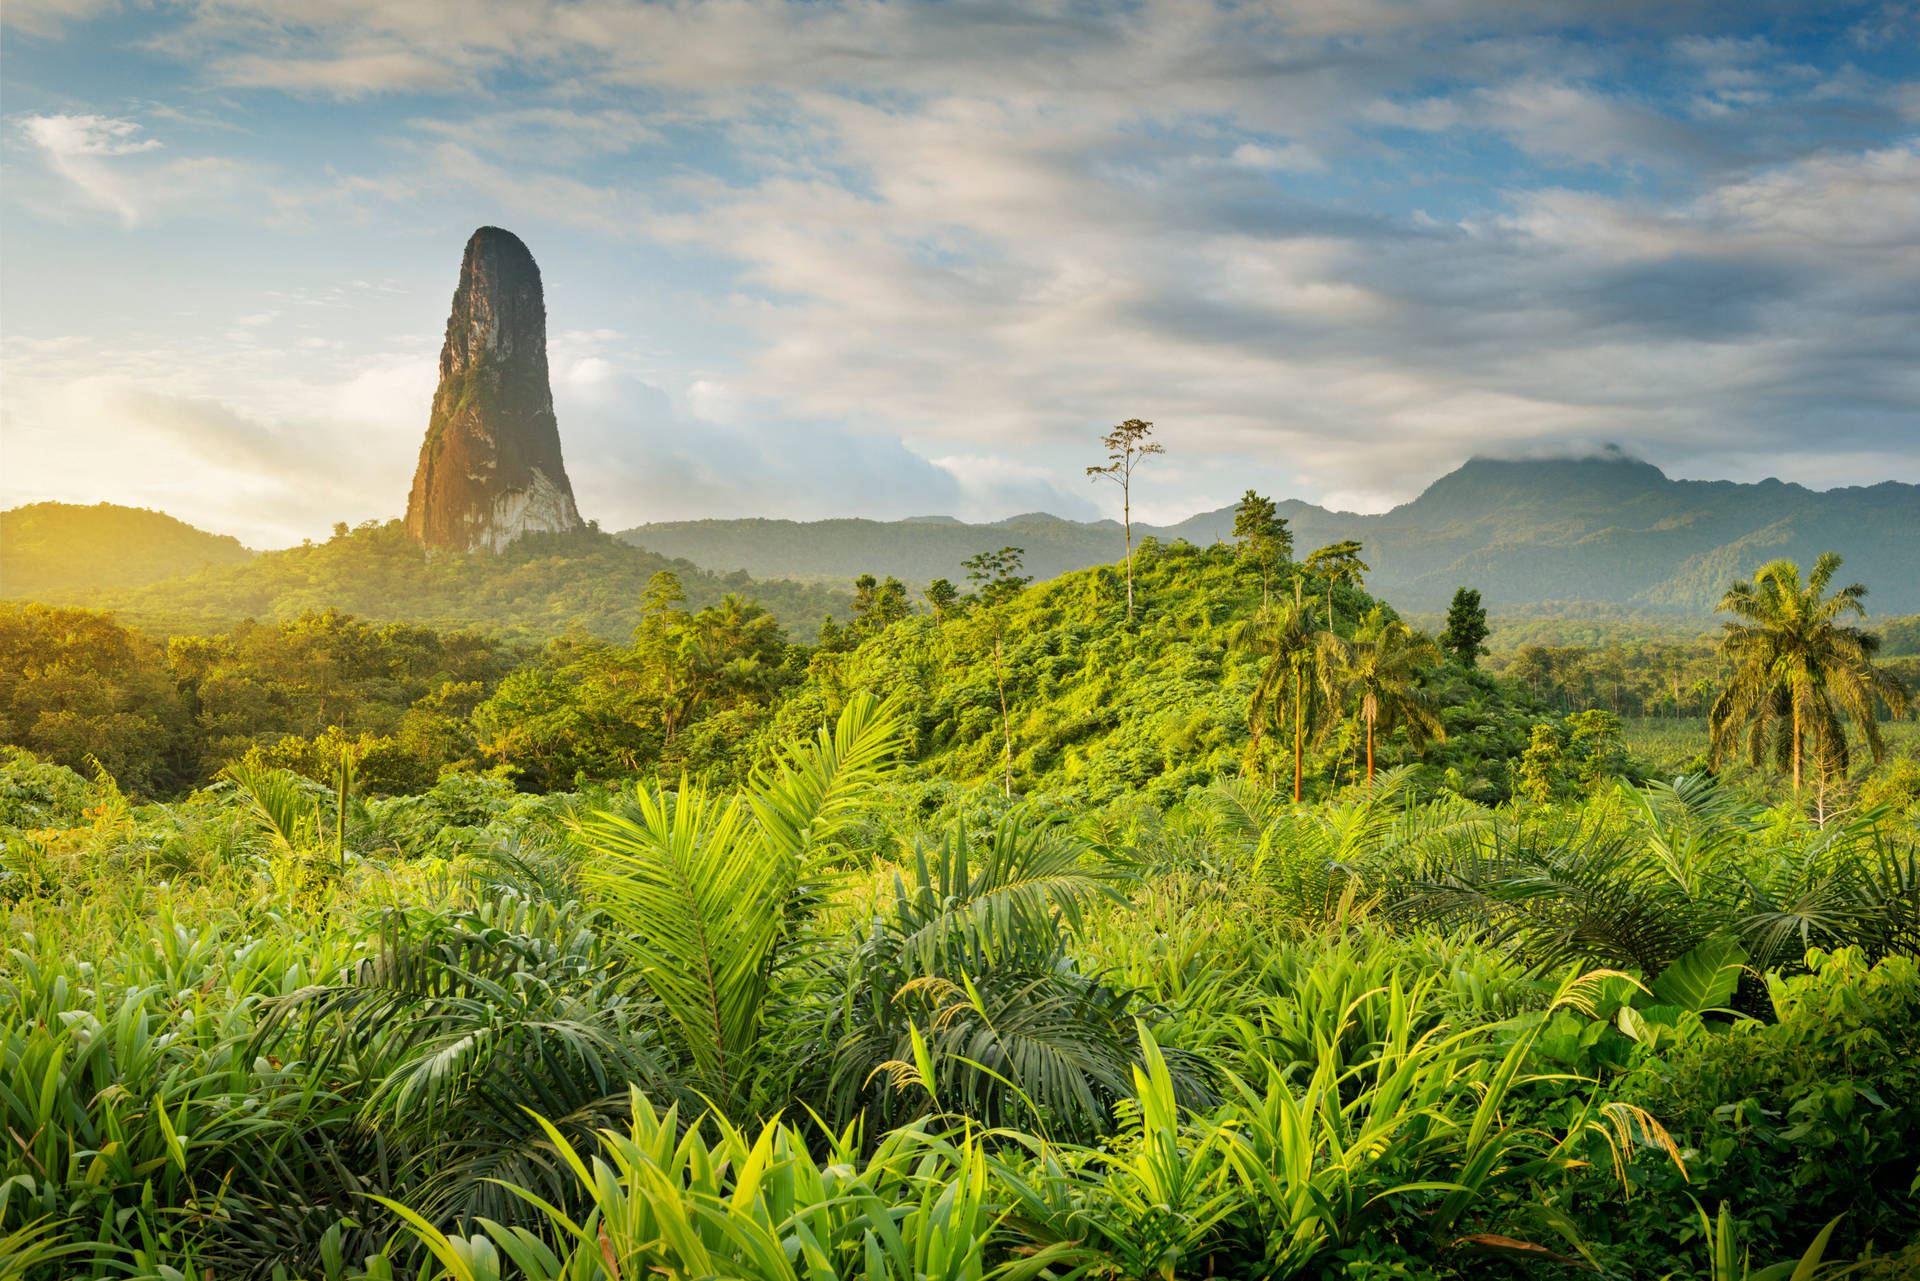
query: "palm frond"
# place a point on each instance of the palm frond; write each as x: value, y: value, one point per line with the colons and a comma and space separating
x: 698, y: 909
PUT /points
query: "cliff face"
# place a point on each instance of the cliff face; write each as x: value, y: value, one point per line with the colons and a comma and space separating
x: 490, y: 468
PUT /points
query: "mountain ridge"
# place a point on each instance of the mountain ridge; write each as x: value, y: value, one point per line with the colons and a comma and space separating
x: 1528, y: 533
x: 1607, y: 528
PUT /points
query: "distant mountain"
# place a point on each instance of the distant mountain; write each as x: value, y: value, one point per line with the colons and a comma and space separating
x: 536, y: 588
x: 1543, y: 534
x: 66, y: 550
x: 540, y: 585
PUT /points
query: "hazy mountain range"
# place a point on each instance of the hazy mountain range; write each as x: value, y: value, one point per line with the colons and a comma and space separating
x: 1605, y: 530
x: 1597, y: 536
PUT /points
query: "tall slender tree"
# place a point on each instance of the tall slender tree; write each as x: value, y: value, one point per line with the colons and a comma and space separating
x: 997, y: 579
x: 1298, y: 683
x: 1382, y: 671
x: 1337, y: 563
x: 659, y: 645
x: 1127, y: 447
x: 1799, y: 674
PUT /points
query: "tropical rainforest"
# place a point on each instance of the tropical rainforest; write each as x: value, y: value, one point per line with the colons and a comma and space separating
x: 1196, y: 914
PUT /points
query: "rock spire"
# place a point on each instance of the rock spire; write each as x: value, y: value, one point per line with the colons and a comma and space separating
x: 490, y: 467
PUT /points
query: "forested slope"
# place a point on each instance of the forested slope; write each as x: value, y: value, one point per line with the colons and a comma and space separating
x: 1098, y: 710
x: 541, y: 586
x: 63, y: 551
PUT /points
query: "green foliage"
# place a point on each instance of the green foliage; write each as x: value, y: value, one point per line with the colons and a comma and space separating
x: 1580, y: 754
x: 1807, y: 1116
x: 963, y: 994
x: 1297, y: 693
x: 1260, y: 535
x: 1540, y: 769
x: 64, y: 553
x: 1677, y: 866
x: 1128, y: 446
x: 1336, y: 563
x: 77, y: 688
x: 36, y: 793
x: 1126, y: 1039
x: 1380, y: 676
x: 1595, y: 752
x: 1466, y: 634
x: 943, y: 598
x: 80, y: 688
x: 803, y: 994
x: 996, y: 575
x: 878, y: 605
x: 707, y: 891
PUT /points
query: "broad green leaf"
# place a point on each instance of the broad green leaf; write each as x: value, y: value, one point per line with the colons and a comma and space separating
x: 1704, y: 979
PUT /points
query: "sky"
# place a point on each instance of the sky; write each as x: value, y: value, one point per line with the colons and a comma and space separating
x: 848, y: 257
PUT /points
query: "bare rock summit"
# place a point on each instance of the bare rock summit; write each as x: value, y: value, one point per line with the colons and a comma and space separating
x: 490, y: 468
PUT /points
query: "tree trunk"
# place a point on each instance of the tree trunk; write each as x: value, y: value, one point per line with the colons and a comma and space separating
x: 1299, y: 734
x: 1796, y: 743
x: 1006, y: 723
x: 1369, y: 751
x: 1126, y: 517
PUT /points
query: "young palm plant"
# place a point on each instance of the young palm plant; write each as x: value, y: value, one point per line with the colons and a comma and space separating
x: 447, y: 1039
x: 969, y: 970
x: 710, y: 895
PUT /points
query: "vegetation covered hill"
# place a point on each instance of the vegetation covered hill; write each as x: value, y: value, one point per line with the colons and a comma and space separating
x: 1099, y: 710
x: 63, y: 551
x: 541, y: 586
x: 1542, y: 534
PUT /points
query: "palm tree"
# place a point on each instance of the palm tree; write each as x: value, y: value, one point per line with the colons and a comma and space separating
x: 1337, y: 563
x: 1298, y: 681
x: 1384, y: 665
x: 1797, y: 672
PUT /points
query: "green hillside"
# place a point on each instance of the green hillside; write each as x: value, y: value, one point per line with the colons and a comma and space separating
x: 1554, y: 535
x: 541, y: 586
x: 66, y: 551
x: 1100, y: 711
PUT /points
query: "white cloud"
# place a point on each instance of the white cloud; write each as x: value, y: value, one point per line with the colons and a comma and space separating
x: 48, y: 17
x: 348, y: 76
x: 79, y: 147
x: 1290, y: 157
x: 993, y: 487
